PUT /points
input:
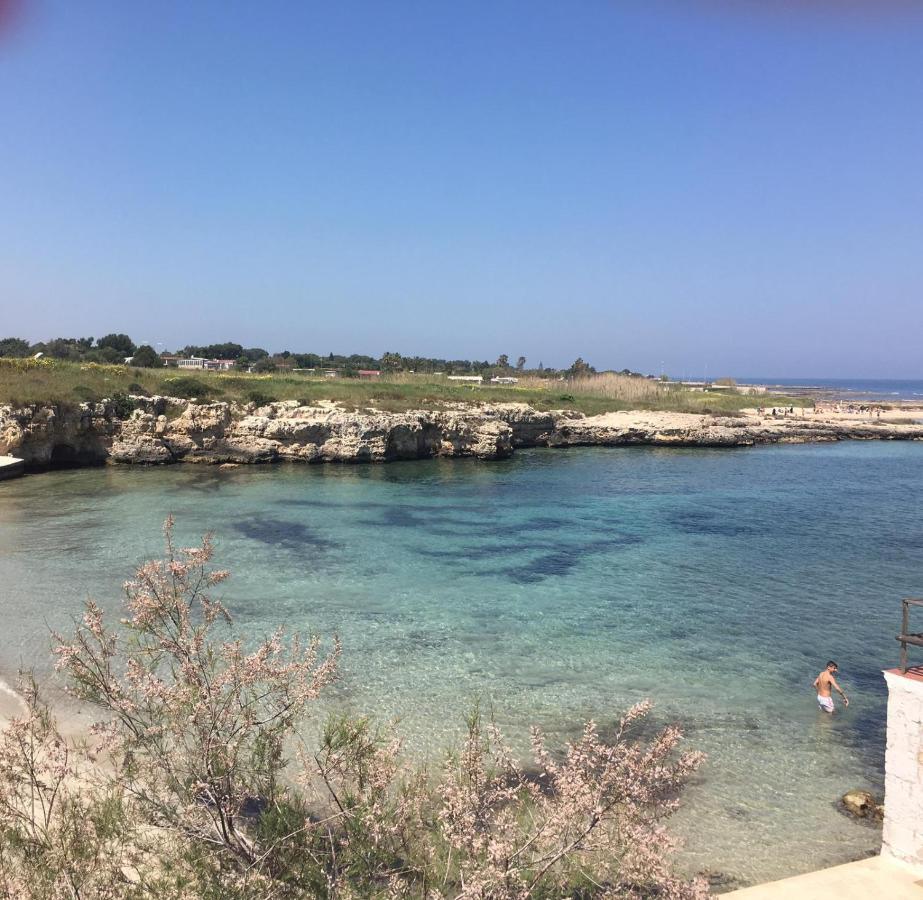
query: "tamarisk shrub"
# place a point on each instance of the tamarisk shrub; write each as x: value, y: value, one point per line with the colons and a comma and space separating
x: 586, y: 825
x: 197, y: 724
x: 57, y: 838
x: 182, y: 791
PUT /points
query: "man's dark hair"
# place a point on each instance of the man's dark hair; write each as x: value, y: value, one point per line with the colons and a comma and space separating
x: 830, y: 663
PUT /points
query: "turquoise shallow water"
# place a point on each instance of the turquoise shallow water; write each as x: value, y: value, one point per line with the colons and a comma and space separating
x: 558, y: 586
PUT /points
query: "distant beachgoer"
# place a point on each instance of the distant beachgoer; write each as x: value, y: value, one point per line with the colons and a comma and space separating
x: 826, y: 684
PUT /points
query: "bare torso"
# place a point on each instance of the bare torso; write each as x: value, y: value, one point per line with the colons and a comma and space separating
x: 824, y: 683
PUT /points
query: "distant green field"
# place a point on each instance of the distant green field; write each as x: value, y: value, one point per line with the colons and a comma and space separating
x: 26, y: 381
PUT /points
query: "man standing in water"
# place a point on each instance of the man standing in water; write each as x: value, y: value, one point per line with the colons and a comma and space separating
x: 824, y: 683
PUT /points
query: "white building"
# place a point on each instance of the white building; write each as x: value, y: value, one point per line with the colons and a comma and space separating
x: 199, y: 362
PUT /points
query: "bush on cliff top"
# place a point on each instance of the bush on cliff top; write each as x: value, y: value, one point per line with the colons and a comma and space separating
x: 202, y: 797
x: 260, y: 398
x: 190, y: 388
x: 123, y: 406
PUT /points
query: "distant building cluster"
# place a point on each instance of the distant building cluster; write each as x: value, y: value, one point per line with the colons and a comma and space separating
x: 198, y: 362
x: 478, y: 379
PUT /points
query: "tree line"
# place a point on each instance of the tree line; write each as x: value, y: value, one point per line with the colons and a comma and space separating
x: 116, y: 348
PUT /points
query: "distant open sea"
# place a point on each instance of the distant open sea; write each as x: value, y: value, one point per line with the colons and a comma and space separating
x: 847, y: 388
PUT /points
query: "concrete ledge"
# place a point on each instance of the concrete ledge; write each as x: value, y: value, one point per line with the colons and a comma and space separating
x: 10, y: 467
x: 877, y: 878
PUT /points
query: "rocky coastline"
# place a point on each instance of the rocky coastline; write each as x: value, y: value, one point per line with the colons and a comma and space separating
x: 165, y: 430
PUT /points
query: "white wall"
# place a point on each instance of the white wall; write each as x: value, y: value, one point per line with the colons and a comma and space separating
x: 903, y: 826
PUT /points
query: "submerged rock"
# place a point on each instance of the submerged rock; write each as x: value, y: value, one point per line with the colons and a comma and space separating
x: 719, y: 881
x: 861, y: 804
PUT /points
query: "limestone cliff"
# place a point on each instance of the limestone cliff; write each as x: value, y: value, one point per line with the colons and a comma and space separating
x: 166, y: 430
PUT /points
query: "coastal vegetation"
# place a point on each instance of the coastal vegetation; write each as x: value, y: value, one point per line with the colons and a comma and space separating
x: 199, y: 780
x: 116, y: 348
x: 51, y: 381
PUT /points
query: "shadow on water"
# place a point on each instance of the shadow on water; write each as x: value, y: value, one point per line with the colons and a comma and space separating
x: 863, y: 727
x: 864, y: 730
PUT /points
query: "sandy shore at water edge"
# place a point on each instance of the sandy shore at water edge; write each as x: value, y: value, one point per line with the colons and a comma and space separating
x: 73, y: 718
x: 850, y: 412
x: 11, y: 704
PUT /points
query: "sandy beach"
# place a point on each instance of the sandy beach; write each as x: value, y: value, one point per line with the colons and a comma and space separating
x: 11, y: 704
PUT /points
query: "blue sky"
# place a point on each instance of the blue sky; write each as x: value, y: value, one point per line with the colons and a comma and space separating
x: 691, y: 184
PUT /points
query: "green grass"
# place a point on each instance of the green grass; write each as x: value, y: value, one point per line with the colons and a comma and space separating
x: 25, y: 382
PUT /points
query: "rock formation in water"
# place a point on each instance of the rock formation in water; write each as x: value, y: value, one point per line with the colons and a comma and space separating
x: 166, y: 430
x: 861, y: 804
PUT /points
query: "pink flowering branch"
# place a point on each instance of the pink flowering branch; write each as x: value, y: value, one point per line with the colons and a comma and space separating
x: 200, y: 722
x: 196, y: 727
x: 595, y: 812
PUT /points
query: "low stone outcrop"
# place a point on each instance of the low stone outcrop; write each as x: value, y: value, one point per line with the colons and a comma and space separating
x: 695, y: 430
x: 50, y: 435
x: 532, y: 428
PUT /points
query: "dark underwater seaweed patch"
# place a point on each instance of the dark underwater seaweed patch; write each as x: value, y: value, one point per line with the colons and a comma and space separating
x: 419, y: 508
x: 398, y: 517
x: 699, y: 520
x: 554, y: 560
x: 485, y: 551
x: 292, y: 536
x: 548, y: 564
x: 494, y: 537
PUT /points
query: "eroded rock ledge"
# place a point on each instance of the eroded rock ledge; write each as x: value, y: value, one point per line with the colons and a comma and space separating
x: 167, y: 430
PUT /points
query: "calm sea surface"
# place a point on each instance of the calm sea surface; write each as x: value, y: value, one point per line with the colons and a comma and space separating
x: 851, y: 388
x: 559, y: 586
